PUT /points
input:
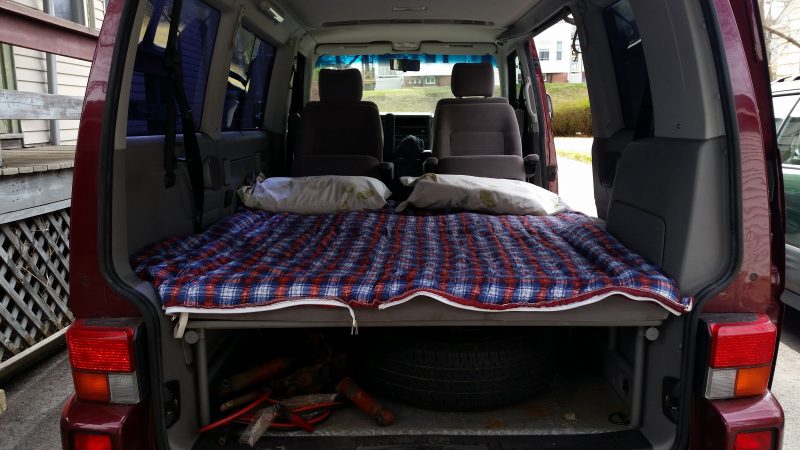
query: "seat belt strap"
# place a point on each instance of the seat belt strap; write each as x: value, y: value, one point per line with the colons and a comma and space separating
x: 645, y: 117
x: 191, y: 147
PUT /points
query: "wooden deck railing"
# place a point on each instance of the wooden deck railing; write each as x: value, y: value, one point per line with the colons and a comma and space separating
x: 34, y: 205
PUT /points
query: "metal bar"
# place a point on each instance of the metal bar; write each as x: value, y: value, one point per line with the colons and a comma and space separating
x: 30, y: 28
x: 638, y: 379
x: 202, y: 379
x: 612, y: 339
x: 196, y: 322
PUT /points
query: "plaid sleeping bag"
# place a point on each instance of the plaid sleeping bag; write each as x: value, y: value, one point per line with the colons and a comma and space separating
x: 379, y: 258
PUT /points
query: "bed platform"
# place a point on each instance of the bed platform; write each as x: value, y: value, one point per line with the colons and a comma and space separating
x: 613, y: 311
x: 383, y: 268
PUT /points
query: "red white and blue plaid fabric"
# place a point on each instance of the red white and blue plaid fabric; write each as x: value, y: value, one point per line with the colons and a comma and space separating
x: 367, y: 259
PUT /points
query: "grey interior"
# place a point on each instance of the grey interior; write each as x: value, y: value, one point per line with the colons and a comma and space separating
x: 475, y: 133
x: 674, y: 217
x: 339, y: 134
x: 663, y: 195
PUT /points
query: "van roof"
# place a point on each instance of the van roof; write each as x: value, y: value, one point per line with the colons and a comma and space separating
x: 443, y: 20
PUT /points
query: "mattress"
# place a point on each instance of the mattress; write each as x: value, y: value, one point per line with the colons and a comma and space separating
x: 256, y: 261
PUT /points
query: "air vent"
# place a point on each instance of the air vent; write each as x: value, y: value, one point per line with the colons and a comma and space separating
x: 347, y: 23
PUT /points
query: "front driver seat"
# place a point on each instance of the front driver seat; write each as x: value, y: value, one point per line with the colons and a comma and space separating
x: 340, y: 134
x: 475, y: 133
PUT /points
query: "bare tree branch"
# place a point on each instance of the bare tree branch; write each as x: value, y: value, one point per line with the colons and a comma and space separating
x: 786, y: 8
x: 783, y: 35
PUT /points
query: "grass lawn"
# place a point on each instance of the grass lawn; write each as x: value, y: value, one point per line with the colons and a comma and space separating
x: 571, y: 115
x: 564, y: 94
x: 418, y: 99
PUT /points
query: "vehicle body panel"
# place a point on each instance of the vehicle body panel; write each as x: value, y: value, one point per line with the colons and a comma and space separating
x: 757, y: 284
x: 755, y: 288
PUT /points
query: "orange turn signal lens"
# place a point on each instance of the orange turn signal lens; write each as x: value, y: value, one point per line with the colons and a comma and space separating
x: 752, y: 381
x: 91, y: 387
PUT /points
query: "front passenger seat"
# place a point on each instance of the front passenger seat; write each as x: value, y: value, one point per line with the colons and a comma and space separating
x: 475, y: 133
x: 340, y: 134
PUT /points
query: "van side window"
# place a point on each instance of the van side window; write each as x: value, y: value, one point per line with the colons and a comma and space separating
x: 629, y: 63
x: 248, y: 82
x: 150, y: 87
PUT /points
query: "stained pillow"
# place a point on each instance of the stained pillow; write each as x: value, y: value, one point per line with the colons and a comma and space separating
x: 326, y: 194
x: 489, y: 195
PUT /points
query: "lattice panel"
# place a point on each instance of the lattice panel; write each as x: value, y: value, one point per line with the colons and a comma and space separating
x: 34, y: 280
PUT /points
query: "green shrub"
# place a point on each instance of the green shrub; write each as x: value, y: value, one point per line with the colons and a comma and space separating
x: 573, y: 120
x: 571, y: 113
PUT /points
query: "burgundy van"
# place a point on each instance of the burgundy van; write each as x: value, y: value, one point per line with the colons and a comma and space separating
x: 312, y: 224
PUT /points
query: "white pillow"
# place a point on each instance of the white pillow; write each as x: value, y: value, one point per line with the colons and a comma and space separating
x: 327, y: 194
x: 490, y: 195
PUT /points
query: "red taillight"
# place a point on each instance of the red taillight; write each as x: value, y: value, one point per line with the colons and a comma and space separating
x: 754, y: 440
x: 91, y: 441
x: 741, y: 345
x: 740, y: 358
x: 103, y: 362
x: 101, y: 349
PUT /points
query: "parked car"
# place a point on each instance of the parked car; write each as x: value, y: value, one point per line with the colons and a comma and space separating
x: 786, y: 93
x: 450, y: 322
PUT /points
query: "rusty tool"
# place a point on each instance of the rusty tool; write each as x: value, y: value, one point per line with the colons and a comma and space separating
x: 305, y: 380
x: 240, y: 400
x: 259, y: 373
x: 365, y: 402
x: 263, y: 419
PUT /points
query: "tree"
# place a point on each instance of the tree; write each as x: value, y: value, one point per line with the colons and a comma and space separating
x: 780, y: 38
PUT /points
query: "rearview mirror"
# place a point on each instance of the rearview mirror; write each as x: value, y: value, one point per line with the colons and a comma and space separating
x: 405, y: 65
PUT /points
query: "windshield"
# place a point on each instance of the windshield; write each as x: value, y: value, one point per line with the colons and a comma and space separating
x: 402, y: 92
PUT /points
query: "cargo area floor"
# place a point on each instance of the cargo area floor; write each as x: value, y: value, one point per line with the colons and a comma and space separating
x: 580, y: 406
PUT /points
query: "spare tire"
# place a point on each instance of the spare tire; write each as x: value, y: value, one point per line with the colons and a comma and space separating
x: 459, y: 369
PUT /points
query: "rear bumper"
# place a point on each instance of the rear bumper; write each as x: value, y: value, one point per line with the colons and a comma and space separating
x: 718, y: 422
x: 128, y: 425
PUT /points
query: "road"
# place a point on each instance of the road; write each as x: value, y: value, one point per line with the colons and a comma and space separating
x: 35, y: 400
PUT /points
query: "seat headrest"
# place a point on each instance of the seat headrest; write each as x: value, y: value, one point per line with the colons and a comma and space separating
x: 472, y: 80
x: 340, y: 85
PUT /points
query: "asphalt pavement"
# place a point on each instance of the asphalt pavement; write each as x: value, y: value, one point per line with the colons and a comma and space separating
x: 35, y: 400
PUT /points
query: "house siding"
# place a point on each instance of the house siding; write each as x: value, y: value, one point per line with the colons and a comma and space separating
x: 30, y: 71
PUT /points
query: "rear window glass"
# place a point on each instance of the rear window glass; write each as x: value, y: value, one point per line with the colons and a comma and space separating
x: 248, y: 82
x: 395, y: 91
x: 150, y: 87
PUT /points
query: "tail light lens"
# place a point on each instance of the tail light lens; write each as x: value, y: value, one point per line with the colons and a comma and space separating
x: 754, y: 440
x: 103, y: 362
x: 91, y: 441
x: 740, y: 358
